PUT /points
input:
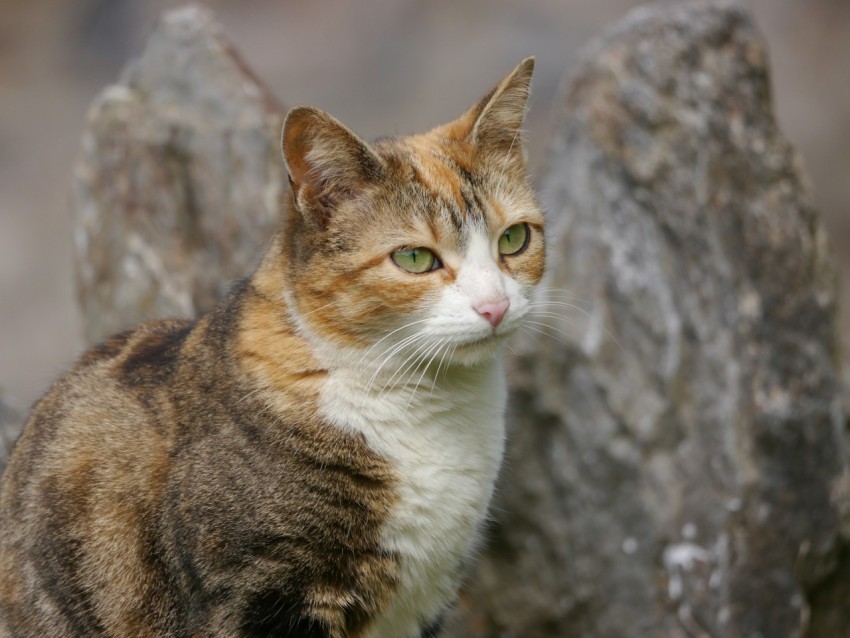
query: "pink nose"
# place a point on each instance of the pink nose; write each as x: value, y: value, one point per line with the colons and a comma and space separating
x: 493, y: 312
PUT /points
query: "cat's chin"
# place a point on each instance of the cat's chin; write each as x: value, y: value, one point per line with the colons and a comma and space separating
x: 479, y: 351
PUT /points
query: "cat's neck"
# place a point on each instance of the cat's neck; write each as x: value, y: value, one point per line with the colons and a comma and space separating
x: 426, y: 392
x: 444, y: 437
x: 276, y: 362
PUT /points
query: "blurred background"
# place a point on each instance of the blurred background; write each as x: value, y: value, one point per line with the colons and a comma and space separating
x: 382, y: 66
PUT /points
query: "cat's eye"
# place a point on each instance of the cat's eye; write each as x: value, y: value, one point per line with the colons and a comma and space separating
x: 416, y: 260
x: 514, y: 239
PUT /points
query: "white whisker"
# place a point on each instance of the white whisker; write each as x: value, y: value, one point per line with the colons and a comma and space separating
x: 422, y: 359
x: 593, y: 320
x: 403, y: 368
x: 393, y: 350
x: 307, y: 314
x: 546, y: 325
x: 387, y: 336
x: 541, y: 293
x: 439, y: 367
x: 543, y: 332
x: 498, y: 188
x: 422, y: 376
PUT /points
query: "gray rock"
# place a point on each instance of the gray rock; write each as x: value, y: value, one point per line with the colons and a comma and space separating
x: 676, y: 463
x: 176, y: 189
x: 11, y: 422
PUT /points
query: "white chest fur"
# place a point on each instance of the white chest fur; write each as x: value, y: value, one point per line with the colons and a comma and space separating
x: 446, y: 445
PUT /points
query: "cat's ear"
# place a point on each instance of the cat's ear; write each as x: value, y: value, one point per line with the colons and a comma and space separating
x: 495, y: 122
x: 327, y: 163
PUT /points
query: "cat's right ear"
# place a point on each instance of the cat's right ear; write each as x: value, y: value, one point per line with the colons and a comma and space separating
x: 326, y: 162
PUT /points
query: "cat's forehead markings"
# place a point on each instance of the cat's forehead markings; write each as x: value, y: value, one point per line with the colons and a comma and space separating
x: 434, y: 229
x: 498, y: 210
x: 437, y: 175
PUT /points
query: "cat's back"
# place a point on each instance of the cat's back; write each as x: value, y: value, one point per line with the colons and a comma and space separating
x: 88, y: 470
x: 116, y: 392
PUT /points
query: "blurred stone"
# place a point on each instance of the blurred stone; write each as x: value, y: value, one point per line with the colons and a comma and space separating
x: 176, y: 189
x: 677, y: 467
x: 846, y: 368
x: 11, y: 423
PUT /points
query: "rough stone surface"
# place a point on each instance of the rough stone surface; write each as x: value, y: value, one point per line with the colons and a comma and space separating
x: 176, y: 190
x: 11, y: 422
x: 676, y: 467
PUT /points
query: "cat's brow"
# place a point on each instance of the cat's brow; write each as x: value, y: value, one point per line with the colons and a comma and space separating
x: 435, y: 174
x: 469, y: 188
x: 462, y: 204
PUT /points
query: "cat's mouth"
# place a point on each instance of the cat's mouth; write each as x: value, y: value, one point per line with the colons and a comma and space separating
x: 477, y: 343
x: 486, y: 341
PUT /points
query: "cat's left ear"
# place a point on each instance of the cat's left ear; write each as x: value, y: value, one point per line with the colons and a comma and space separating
x: 495, y: 122
x: 327, y: 163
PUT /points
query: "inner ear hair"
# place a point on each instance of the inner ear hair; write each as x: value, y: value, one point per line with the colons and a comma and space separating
x: 495, y: 122
x: 327, y: 163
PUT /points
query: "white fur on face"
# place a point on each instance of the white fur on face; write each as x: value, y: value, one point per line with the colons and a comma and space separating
x: 479, y: 280
x: 446, y: 329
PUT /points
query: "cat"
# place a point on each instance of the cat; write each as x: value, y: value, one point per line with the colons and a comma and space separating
x: 315, y: 456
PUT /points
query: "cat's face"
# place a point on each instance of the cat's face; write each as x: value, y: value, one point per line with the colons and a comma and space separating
x: 422, y: 248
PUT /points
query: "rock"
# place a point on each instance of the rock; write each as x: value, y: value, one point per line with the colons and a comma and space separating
x: 176, y: 189
x: 11, y: 422
x: 675, y: 466
x: 846, y: 369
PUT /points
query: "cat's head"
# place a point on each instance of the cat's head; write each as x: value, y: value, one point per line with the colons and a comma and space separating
x: 422, y: 246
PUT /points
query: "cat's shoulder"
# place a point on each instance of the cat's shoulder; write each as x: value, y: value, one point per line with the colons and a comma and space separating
x: 122, y: 370
x: 148, y: 348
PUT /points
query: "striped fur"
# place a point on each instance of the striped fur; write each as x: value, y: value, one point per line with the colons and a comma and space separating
x: 314, y: 457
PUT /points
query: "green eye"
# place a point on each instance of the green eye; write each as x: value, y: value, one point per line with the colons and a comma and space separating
x: 416, y: 260
x: 514, y: 239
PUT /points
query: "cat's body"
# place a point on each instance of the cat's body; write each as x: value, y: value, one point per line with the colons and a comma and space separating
x: 315, y: 456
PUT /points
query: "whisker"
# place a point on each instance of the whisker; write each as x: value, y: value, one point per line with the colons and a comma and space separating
x: 561, y: 299
x: 402, y: 370
x: 422, y: 376
x: 546, y: 325
x: 439, y: 367
x: 548, y: 313
x: 404, y: 343
x: 387, y: 336
x: 250, y: 394
x: 498, y: 188
x: 551, y: 290
x: 553, y: 315
x: 552, y: 302
x: 423, y: 359
x: 390, y: 352
x: 307, y: 314
x: 594, y: 320
x: 538, y: 330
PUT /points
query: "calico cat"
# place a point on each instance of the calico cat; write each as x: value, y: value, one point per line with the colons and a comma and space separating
x: 315, y: 456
